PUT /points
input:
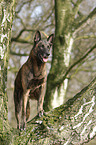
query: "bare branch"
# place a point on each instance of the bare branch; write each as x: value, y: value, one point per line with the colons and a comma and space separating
x: 24, y: 3
x: 18, y: 54
x: 43, y: 21
x: 86, y: 19
x: 20, y: 33
x: 47, y: 26
x: 76, y: 5
x: 16, y: 39
x: 73, y: 65
x: 85, y: 37
x: 21, y: 20
x: 49, y: 15
x: 20, y: 41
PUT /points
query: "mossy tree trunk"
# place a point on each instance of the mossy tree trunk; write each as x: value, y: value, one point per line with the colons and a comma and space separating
x: 7, y: 10
x: 64, y: 17
x: 68, y: 21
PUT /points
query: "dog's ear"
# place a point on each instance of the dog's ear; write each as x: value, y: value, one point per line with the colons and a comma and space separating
x: 37, y: 37
x: 50, y: 39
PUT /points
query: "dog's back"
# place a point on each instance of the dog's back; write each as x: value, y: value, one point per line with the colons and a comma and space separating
x: 31, y: 79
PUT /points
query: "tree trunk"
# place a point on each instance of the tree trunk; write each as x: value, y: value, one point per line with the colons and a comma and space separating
x: 7, y: 9
x: 55, y: 94
x: 71, y: 123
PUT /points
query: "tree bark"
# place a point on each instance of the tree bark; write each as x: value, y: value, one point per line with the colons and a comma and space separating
x: 67, y: 25
x: 7, y: 9
x: 55, y: 95
x: 72, y: 123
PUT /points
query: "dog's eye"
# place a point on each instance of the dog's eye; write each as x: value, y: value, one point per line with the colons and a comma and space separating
x: 48, y: 47
x: 42, y: 46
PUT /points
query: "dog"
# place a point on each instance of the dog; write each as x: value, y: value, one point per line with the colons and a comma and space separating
x: 31, y: 79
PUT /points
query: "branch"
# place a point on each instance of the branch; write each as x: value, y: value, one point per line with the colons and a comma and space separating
x: 43, y: 20
x: 76, y: 5
x: 49, y: 15
x: 16, y: 39
x: 71, y: 123
x: 86, y: 19
x: 20, y: 41
x: 85, y: 37
x: 20, y: 33
x: 23, y: 3
x: 73, y: 65
x: 18, y: 54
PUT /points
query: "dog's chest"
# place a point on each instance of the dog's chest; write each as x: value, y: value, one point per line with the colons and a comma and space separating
x: 30, y: 76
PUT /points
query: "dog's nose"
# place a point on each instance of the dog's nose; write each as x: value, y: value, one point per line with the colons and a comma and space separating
x: 48, y: 54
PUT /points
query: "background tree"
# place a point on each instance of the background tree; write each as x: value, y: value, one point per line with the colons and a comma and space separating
x: 69, y: 21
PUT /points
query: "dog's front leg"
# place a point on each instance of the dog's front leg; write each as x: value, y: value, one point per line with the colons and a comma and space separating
x: 41, y: 100
x: 25, y: 99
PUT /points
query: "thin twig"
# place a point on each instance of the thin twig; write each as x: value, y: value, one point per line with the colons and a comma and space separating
x: 87, y: 18
x: 24, y: 3
x: 85, y: 37
x: 21, y: 41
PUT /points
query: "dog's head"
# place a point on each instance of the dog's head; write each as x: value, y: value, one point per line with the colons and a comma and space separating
x: 42, y: 47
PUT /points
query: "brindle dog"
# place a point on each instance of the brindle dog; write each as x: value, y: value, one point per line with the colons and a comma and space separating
x: 31, y: 79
